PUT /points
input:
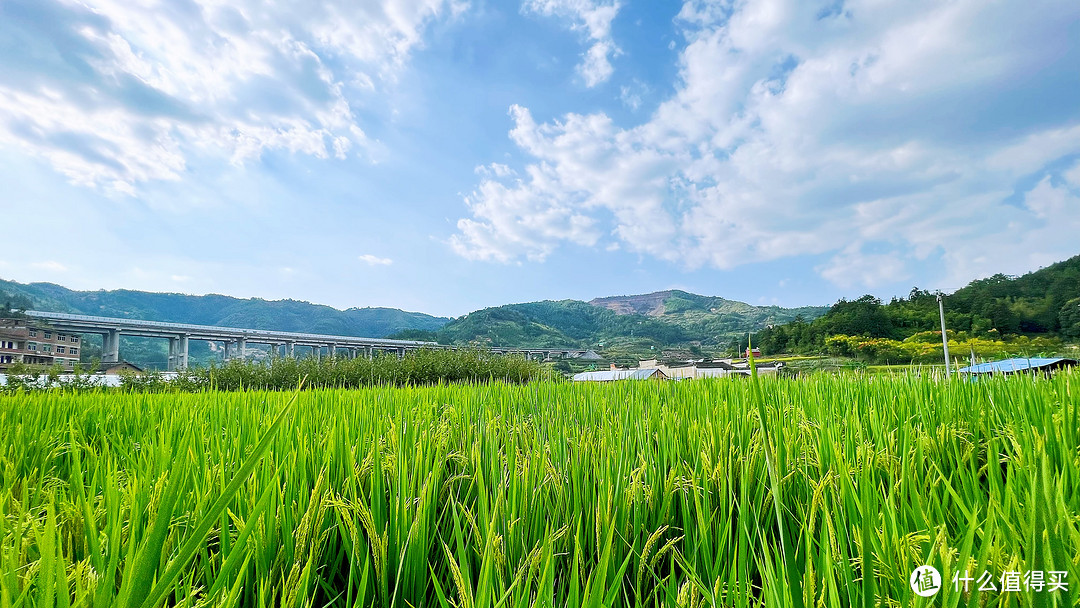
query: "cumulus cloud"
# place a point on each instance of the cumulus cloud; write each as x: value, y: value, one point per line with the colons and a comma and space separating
x: 593, y: 19
x: 374, y: 260
x: 855, y: 268
x: 116, y: 92
x: 872, y: 134
x: 526, y: 218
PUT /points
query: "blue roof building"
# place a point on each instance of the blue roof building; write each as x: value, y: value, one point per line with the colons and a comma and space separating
x: 1012, y: 366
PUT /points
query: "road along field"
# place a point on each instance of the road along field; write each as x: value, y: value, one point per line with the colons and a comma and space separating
x: 828, y: 490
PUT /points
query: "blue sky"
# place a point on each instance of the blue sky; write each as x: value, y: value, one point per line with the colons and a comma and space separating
x: 444, y: 156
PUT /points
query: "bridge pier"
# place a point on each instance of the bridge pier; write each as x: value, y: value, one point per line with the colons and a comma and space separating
x: 331, y: 350
x: 110, y: 346
x: 178, y: 353
x: 174, y: 353
x: 290, y: 349
x: 182, y: 355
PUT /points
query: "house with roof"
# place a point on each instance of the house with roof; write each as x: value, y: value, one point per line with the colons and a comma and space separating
x: 1020, y: 365
x: 611, y: 375
x: 700, y: 368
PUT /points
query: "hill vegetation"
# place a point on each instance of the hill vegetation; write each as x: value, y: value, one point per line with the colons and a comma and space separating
x: 1000, y: 314
x: 1038, y: 309
x: 625, y: 326
x: 218, y: 310
x: 620, y: 325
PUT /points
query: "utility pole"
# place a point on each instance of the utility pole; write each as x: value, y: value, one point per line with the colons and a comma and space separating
x: 944, y: 335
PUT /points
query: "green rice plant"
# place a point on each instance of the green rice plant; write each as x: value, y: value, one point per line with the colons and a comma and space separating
x: 419, y: 367
x: 827, y: 490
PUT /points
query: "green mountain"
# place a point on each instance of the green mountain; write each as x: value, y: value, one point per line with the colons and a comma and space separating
x: 640, y: 323
x: 619, y: 326
x: 1044, y: 303
x: 225, y: 311
x: 1041, y: 303
x: 555, y: 324
x: 708, y: 319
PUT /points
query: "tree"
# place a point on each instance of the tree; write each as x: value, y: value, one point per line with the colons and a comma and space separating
x: 12, y: 306
x: 863, y: 317
x: 1070, y: 318
x: 1002, y: 316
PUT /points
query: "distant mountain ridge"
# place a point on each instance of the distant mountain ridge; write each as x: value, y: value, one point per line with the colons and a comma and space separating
x: 223, y: 311
x: 1044, y: 302
x: 641, y: 323
x: 662, y: 319
x: 675, y: 302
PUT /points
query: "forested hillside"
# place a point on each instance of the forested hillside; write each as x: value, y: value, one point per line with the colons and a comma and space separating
x: 675, y: 319
x: 1041, y: 304
x: 223, y: 311
x: 643, y: 323
x: 1041, y: 307
x: 226, y: 311
x: 557, y: 324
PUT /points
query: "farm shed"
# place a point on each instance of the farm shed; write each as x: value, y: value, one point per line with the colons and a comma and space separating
x: 1012, y: 366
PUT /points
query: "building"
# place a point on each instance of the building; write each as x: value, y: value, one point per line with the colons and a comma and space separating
x: 123, y: 367
x: 23, y: 341
x: 755, y: 351
x: 1013, y: 366
x: 697, y: 369
x: 612, y: 375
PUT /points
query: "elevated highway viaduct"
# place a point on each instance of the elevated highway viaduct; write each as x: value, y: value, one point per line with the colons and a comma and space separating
x: 236, y: 339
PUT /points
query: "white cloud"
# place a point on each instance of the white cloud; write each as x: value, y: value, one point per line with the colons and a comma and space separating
x: 373, y: 260
x: 633, y: 94
x: 593, y: 18
x: 115, y: 92
x: 854, y: 268
x: 878, y: 134
x: 525, y: 218
x: 50, y: 266
x: 1072, y: 176
x: 494, y: 169
x: 587, y: 160
x: 1047, y: 201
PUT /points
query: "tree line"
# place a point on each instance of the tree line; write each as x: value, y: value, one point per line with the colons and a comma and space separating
x: 1044, y: 303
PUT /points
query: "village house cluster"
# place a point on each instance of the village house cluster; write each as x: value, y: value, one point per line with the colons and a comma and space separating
x: 25, y: 342
x: 651, y: 369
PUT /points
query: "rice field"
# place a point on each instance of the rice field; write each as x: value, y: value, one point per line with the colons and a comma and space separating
x: 819, y: 491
